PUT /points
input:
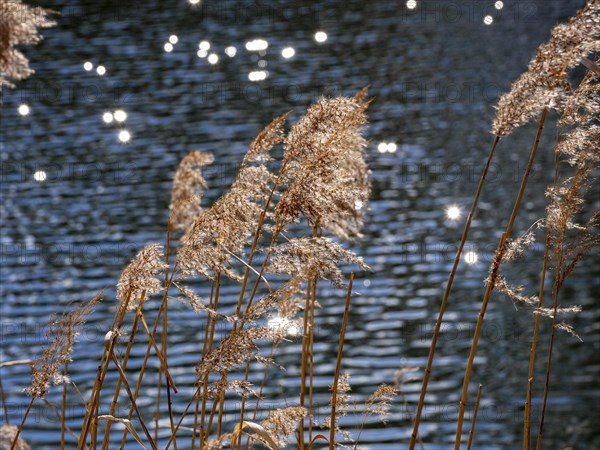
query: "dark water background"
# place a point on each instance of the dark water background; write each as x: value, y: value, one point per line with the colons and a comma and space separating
x: 436, y: 73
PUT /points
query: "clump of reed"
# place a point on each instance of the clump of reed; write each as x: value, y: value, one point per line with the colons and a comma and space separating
x: 275, y: 234
x: 546, y: 85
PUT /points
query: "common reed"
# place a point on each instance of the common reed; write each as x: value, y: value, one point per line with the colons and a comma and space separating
x: 276, y: 234
x: 544, y: 86
x: 268, y: 234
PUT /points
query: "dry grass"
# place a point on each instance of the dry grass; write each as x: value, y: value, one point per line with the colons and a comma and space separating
x: 277, y: 234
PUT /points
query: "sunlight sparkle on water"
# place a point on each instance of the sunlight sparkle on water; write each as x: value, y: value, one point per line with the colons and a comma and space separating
x: 488, y: 20
x: 202, y: 53
x: 453, y: 212
x: 100, y: 70
x: 23, y: 109
x: 40, y: 176
x: 288, y: 52
x: 88, y: 66
x: 286, y: 325
x: 168, y: 47
x: 107, y: 117
x: 499, y: 5
x: 230, y: 51
x: 257, y: 45
x: 411, y: 4
x: 173, y: 39
x: 262, y: 63
x: 387, y: 147
x: 194, y: 2
x: 204, y: 45
x: 120, y: 115
x: 471, y: 257
x: 320, y: 36
x: 124, y: 136
x: 213, y: 58
x: 258, y: 75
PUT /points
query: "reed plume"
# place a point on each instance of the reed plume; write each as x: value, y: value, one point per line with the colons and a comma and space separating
x: 545, y: 83
x: 8, y: 433
x: 324, y: 169
x: 139, y: 276
x: 61, y: 335
x: 188, y: 186
x: 222, y: 231
x: 19, y: 25
x: 340, y: 403
x: 313, y: 258
x: 281, y: 423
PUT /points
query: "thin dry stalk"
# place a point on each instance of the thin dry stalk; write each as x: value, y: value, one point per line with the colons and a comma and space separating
x: 527, y: 415
x: 58, y: 416
x: 209, y: 323
x: 444, y: 304
x: 113, y: 406
x: 168, y: 385
x: 4, y: 407
x: 149, y: 347
x: 474, y: 421
x: 16, y: 441
x: 338, y: 365
x: 311, y: 365
x: 304, y: 363
x: 63, y: 406
x: 500, y: 250
x: 133, y: 402
x: 548, y: 367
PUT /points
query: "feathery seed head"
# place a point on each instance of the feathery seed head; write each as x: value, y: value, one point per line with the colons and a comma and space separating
x: 324, y: 168
x: 61, y: 336
x: 544, y: 83
x: 313, y: 258
x: 7, y: 436
x: 139, y: 276
x: 188, y: 184
x: 19, y: 25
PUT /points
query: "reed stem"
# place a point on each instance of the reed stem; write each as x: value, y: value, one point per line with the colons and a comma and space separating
x: 438, y: 324
x: 63, y: 406
x: 472, y: 430
x: 133, y: 402
x: 16, y: 438
x: 500, y: 250
x: 556, y: 290
x: 113, y: 405
x: 338, y: 363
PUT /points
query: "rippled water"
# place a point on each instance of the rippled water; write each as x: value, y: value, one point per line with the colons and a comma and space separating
x: 77, y: 203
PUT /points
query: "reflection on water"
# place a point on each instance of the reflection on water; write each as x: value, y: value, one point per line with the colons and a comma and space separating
x: 77, y: 203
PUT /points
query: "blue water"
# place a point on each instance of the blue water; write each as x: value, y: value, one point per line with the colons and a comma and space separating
x: 77, y: 203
